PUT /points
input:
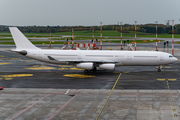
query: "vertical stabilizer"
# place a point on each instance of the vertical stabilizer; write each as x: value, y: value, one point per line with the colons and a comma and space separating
x: 20, y: 40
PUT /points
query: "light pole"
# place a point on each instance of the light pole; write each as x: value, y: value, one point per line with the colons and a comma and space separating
x: 101, y: 36
x: 121, y: 36
x: 156, y: 36
x: 173, y: 37
x: 135, y: 35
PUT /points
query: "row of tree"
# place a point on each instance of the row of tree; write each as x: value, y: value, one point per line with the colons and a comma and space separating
x: 146, y: 28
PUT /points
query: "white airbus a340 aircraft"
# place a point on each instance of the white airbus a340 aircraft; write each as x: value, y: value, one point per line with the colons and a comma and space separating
x: 90, y: 60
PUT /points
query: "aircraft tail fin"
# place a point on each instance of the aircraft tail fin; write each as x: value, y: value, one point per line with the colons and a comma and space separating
x: 20, y: 40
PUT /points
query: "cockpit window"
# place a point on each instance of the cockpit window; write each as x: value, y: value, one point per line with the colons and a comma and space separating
x: 170, y: 56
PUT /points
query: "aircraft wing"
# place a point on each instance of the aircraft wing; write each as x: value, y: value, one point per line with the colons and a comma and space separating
x: 81, y: 60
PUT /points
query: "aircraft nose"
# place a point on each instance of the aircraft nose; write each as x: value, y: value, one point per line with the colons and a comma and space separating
x: 174, y: 59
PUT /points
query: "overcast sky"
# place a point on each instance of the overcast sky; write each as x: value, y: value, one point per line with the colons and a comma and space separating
x: 87, y: 12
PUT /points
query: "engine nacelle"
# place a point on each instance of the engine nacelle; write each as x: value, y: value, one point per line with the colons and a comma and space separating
x: 107, y: 66
x: 87, y: 66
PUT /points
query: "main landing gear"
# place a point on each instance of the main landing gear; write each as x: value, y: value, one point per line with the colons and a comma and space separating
x: 90, y: 71
x: 159, y: 69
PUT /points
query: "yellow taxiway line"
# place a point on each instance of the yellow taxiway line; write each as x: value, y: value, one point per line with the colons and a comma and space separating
x: 108, y: 96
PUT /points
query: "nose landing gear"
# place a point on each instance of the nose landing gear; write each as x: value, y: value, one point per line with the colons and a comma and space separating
x: 159, y: 69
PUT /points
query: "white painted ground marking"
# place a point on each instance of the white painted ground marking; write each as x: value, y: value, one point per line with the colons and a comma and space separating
x: 67, y: 91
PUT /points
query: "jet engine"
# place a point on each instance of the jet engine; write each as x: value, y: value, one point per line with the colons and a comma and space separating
x: 107, y: 66
x: 87, y: 66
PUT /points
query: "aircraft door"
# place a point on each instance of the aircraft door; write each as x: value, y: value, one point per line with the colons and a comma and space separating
x: 129, y: 56
x: 79, y: 55
x: 161, y: 56
x: 40, y: 54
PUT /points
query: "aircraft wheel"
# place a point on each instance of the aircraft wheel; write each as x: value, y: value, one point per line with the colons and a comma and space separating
x: 159, y: 70
x: 95, y: 69
x: 86, y: 71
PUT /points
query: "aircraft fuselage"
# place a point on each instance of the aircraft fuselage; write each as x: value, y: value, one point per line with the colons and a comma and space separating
x: 122, y: 58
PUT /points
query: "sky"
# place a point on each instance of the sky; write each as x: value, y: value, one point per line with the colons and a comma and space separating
x: 87, y: 12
